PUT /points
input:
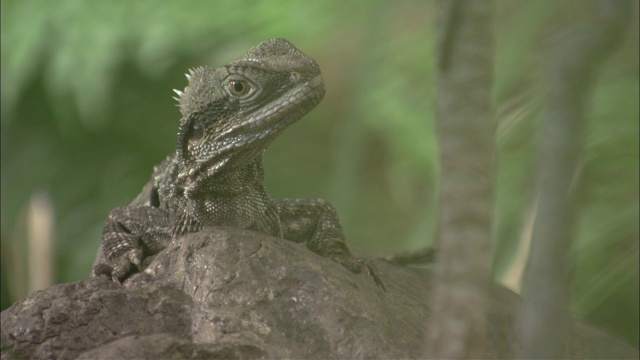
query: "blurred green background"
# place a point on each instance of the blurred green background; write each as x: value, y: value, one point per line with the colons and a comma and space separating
x: 87, y: 111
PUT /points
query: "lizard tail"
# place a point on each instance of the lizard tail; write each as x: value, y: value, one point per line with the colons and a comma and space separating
x: 424, y: 255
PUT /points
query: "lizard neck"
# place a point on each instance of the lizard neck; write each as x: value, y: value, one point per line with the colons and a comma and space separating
x: 249, y: 177
x: 229, y: 198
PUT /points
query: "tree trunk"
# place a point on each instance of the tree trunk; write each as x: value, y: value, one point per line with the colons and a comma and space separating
x: 466, y: 129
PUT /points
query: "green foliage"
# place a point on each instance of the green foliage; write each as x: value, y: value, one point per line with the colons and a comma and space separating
x: 87, y: 111
x: 606, y: 187
x: 79, y: 45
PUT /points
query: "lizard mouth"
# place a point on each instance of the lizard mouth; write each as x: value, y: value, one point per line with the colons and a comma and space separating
x: 264, y: 125
x: 247, y: 140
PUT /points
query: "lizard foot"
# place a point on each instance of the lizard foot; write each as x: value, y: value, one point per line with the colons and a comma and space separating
x: 120, y: 267
x: 356, y: 265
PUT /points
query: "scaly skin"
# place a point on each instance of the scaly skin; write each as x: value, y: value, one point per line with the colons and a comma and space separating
x: 215, y: 178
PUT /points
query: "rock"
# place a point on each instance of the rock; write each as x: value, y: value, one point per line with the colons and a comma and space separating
x: 234, y: 294
x: 165, y: 346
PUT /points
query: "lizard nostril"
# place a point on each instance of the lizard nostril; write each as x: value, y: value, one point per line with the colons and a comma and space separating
x: 218, y: 180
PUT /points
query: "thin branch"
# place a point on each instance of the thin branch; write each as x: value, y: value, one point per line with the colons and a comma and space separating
x: 573, y: 61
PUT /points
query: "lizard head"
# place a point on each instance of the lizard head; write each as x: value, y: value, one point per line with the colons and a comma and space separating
x: 232, y: 113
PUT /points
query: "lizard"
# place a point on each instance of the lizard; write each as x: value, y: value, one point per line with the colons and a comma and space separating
x: 215, y: 177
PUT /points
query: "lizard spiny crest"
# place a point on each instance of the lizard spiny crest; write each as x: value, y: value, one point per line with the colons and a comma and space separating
x: 237, y: 110
x: 215, y: 178
x: 188, y: 76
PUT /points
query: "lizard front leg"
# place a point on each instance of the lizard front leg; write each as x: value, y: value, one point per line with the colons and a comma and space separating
x: 131, y: 232
x: 316, y: 222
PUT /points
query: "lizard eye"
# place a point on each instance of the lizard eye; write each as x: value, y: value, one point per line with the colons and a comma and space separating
x: 239, y: 87
x: 196, y: 131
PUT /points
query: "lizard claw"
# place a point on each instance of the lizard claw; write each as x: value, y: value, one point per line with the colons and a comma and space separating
x: 135, y: 257
x: 356, y: 265
x: 373, y: 271
x: 116, y: 280
x: 120, y: 267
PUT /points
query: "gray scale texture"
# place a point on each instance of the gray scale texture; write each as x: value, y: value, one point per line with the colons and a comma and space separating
x: 215, y: 178
x: 224, y: 293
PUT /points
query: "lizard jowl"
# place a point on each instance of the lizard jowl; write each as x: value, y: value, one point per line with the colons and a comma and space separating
x: 230, y: 115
